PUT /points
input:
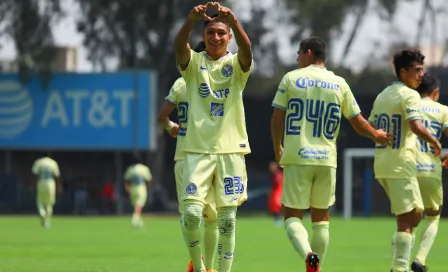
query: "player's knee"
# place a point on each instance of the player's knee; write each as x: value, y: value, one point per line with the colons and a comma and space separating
x: 192, y: 215
x: 417, y: 218
x: 227, y: 220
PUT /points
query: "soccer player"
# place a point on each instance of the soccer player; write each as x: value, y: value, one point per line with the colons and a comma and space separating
x: 178, y: 98
x: 47, y: 171
x: 275, y: 196
x: 216, y: 141
x: 136, y: 178
x: 307, y: 112
x: 397, y: 109
x: 429, y: 168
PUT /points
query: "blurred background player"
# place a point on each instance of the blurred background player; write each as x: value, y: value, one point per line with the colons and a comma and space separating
x: 217, y: 140
x: 313, y: 101
x: 47, y: 171
x: 137, y: 177
x: 397, y: 109
x: 178, y: 98
x: 275, y: 196
x: 429, y: 168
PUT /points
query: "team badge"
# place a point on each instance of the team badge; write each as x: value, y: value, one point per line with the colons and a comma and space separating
x: 227, y: 70
x: 191, y: 188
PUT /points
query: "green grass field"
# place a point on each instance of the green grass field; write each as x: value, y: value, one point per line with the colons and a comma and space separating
x: 109, y: 244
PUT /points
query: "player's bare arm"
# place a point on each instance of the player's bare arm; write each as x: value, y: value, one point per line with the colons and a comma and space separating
x: 163, y: 118
x: 277, y: 123
x: 419, y: 129
x: 362, y: 127
x: 241, y: 38
x: 181, y: 45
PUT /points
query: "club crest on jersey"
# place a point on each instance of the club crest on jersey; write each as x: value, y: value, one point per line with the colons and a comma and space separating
x: 227, y: 70
x: 204, y: 90
x: 191, y: 188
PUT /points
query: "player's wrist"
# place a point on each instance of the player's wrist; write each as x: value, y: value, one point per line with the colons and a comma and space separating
x: 169, y: 126
x: 233, y: 23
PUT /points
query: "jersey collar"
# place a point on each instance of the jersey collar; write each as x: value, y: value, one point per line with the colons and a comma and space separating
x: 399, y: 83
x: 220, y: 59
x: 318, y: 66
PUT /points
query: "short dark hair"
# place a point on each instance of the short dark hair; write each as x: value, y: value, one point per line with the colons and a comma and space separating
x: 428, y: 85
x: 137, y: 158
x: 207, y: 22
x: 316, y: 45
x: 199, y: 47
x: 404, y: 59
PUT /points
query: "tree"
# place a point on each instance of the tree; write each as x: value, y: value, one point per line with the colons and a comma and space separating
x: 28, y: 24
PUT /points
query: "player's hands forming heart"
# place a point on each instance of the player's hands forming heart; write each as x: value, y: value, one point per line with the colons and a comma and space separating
x: 225, y: 14
x: 198, y: 13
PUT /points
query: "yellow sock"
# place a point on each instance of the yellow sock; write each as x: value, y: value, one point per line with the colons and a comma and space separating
x: 298, y: 236
x: 211, y: 236
x: 428, y: 235
x: 402, y: 251
x: 320, y: 239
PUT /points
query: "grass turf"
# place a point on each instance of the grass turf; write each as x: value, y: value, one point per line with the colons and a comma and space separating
x: 109, y: 244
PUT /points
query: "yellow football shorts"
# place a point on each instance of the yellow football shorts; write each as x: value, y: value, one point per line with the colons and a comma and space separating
x: 431, y: 190
x: 404, y: 194
x: 138, y: 195
x: 306, y: 186
x: 46, y: 192
x: 226, y: 173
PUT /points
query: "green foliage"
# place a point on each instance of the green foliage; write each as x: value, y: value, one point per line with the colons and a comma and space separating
x: 28, y: 24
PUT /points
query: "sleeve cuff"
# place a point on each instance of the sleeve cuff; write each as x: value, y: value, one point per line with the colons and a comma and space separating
x: 414, y: 118
x: 171, y: 100
x: 356, y: 113
x: 278, y: 106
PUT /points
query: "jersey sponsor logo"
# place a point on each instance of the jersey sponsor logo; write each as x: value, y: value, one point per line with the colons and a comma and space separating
x: 305, y: 82
x: 227, y: 70
x: 313, y: 153
x: 431, y: 110
x: 203, y: 68
x: 216, y: 109
x: 204, y: 90
x: 410, y: 110
x: 425, y: 167
x: 191, y: 188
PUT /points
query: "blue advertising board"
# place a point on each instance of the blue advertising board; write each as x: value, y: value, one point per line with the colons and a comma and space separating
x: 100, y: 111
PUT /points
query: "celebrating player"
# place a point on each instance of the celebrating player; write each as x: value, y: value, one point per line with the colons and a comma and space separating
x: 397, y: 109
x: 216, y: 141
x: 429, y: 168
x: 136, y: 177
x: 178, y: 97
x: 312, y: 100
x: 275, y: 196
x: 47, y: 171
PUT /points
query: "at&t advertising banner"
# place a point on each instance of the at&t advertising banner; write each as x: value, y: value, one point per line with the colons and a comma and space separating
x: 110, y: 111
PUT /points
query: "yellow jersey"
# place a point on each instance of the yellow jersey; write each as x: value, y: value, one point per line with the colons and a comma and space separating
x: 216, y: 118
x: 314, y: 100
x: 178, y: 96
x: 435, y: 119
x: 46, y: 169
x: 392, y: 110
